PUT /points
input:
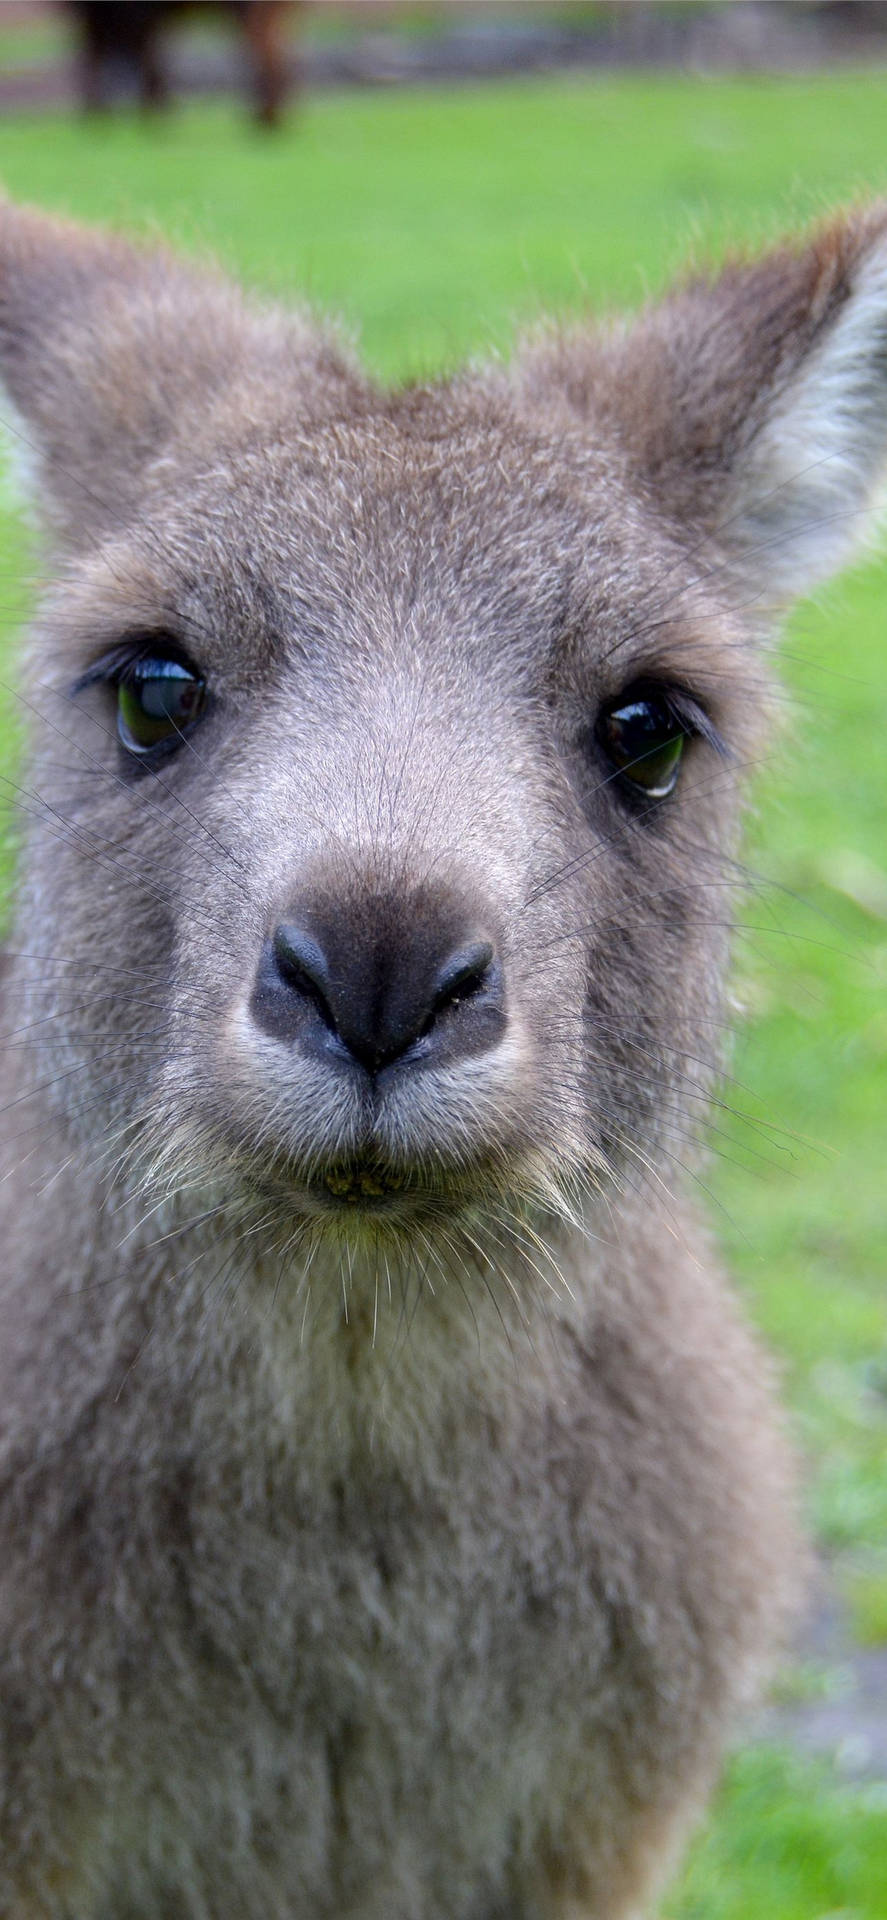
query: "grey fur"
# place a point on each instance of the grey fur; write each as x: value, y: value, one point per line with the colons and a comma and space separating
x: 408, y: 1563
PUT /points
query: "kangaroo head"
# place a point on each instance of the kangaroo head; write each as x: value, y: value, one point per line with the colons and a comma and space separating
x: 387, y: 747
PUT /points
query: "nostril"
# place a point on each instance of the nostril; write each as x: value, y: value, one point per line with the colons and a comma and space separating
x: 465, y: 975
x: 303, y: 965
x: 395, y: 988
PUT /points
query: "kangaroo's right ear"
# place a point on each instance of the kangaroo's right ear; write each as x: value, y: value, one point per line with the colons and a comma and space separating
x: 111, y: 354
x: 751, y: 403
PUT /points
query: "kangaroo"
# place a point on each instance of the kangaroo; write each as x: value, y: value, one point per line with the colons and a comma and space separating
x: 395, y: 1510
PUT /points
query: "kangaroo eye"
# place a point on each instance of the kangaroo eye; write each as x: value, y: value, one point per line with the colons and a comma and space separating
x: 158, y: 700
x: 644, y: 737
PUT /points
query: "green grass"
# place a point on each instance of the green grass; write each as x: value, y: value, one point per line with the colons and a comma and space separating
x: 790, y: 1844
x: 433, y: 224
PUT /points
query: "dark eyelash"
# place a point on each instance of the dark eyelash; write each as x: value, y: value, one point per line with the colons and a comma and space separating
x: 686, y: 712
x: 111, y: 667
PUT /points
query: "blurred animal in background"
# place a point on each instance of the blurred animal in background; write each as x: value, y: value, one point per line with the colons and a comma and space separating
x: 122, y: 40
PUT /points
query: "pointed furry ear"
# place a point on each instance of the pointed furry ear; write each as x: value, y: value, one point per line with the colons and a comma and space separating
x: 752, y: 404
x: 112, y: 354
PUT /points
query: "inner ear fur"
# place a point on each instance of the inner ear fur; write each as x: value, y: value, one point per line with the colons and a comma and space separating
x: 112, y: 353
x: 751, y: 403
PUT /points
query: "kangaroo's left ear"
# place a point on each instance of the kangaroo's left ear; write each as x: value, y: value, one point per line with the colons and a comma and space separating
x: 752, y: 405
x: 115, y: 356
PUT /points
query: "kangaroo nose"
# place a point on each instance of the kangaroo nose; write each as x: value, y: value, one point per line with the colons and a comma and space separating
x: 381, y: 986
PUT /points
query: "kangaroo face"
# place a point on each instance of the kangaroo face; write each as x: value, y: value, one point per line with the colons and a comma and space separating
x: 402, y: 729
x: 398, y: 744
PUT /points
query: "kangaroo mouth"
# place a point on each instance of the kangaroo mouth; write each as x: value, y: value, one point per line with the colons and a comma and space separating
x: 359, y: 1184
x: 365, y: 1189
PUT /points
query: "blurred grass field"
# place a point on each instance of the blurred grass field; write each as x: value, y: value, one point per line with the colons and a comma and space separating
x: 434, y: 224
